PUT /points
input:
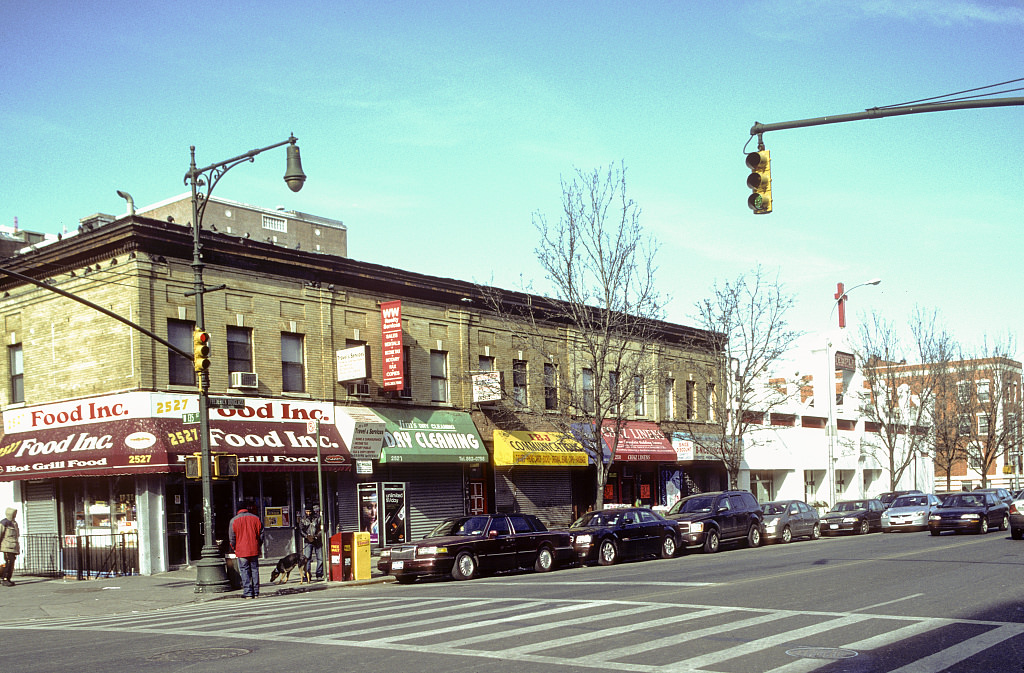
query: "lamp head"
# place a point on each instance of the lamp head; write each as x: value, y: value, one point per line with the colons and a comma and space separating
x: 293, y: 174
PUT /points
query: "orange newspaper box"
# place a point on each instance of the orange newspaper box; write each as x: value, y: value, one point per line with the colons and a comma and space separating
x: 350, y: 557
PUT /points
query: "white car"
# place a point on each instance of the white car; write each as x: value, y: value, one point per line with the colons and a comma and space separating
x: 909, y: 512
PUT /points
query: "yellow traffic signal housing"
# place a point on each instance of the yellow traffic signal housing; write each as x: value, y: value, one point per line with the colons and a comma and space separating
x: 760, y: 181
x: 193, y: 467
x: 201, y: 350
x: 225, y: 465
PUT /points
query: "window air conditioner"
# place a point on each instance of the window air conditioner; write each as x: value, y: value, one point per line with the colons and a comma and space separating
x: 244, y: 380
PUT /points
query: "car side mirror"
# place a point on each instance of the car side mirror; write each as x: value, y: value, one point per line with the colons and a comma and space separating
x: 492, y: 534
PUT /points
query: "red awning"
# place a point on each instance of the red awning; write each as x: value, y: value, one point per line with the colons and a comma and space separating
x: 152, y: 445
x: 638, y: 441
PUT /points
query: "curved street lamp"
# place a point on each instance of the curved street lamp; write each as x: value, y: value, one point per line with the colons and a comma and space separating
x: 830, y: 381
x: 211, y: 575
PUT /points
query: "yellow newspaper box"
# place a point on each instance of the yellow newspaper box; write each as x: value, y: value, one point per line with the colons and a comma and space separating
x: 355, y: 554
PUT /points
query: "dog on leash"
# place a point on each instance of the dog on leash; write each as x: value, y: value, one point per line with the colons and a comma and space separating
x: 286, y: 565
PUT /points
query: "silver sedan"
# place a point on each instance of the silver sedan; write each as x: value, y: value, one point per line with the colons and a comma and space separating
x: 909, y: 512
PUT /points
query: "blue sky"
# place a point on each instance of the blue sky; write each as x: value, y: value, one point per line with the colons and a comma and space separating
x: 436, y: 130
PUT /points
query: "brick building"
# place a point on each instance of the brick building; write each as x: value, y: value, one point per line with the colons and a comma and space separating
x: 95, y: 434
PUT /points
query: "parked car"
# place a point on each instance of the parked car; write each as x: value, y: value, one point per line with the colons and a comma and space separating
x: 971, y: 511
x: 853, y: 516
x: 889, y: 496
x: 706, y: 520
x: 787, y: 519
x: 1017, y: 516
x: 609, y: 535
x: 909, y: 512
x: 467, y: 546
x: 1001, y: 493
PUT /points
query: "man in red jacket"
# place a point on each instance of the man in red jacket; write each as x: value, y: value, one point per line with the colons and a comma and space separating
x: 245, y: 533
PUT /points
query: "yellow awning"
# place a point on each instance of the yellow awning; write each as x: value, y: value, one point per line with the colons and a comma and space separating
x: 537, y: 448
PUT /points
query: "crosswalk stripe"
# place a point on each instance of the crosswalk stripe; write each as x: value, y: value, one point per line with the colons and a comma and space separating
x: 943, y: 659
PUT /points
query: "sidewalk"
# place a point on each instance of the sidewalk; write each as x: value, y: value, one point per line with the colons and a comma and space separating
x: 43, y: 598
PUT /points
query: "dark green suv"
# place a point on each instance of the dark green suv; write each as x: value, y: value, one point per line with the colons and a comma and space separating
x: 706, y: 520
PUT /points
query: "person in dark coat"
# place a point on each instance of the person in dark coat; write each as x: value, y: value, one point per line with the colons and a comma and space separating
x: 245, y: 533
x: 9, y: 545
x: 311, y: 529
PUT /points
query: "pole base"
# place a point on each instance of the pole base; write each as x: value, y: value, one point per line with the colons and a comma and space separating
x: 211, y: 574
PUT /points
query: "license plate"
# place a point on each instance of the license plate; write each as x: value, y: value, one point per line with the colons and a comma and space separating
x: 833, y: 526
x: 397, y: 565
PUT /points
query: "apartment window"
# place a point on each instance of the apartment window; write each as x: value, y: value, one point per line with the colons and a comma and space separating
x: 406, y: 392
x: 983, y: 425
x: 519, y: 378
x: 588, y: 390
x: 613, y: 391
x: 275, y: 224
x: 180, y: 369
x: 239, y: 350
x: 668, y: 400
x: 963, y: 392
x: 359, y: 387
x: 439, y: 376
x: 983, y: 391
x: 712, y: 400
x: 691, y: 400
x: 485, y: 363
x: 293, y: 370
x: 17, y: 369
x: 964, y: 426
x: 550, y: 386
x: 639, y: 406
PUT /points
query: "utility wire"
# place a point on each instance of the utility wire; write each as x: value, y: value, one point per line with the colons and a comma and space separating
x: 957, y: 93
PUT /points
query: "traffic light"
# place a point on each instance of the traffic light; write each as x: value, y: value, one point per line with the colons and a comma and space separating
x: 760, y: 180
x: 193, y: 469
x: 201, y: 350
x: 225, y: 465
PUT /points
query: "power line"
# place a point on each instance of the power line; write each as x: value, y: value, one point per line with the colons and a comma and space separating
x: 957, y: 93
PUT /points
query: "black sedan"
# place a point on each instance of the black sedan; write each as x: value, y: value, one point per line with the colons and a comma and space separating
x: 853, y: 516
x: 971, y: 512
x: 608, y: 535
x: 465, y: 547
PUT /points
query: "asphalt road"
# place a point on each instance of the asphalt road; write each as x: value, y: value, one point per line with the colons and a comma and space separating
x: 878, y: 603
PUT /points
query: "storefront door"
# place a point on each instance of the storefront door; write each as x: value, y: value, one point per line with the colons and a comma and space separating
x: 223, y: 511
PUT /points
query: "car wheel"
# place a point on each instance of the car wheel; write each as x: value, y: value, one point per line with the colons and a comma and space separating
x: 668, y: 547
x: 711, y: 541
x: 607, y: 553
x: 405, y: 579
x: 983, y: 526
x: 816, y: 531
x: 1017, y: 533
x: 1005, y: 523
x: 754, y: 536
x: 787, y: 535
x: 465, y: 566
x: 935, y: 532
x: 545, y: 560
x: 865, y: 527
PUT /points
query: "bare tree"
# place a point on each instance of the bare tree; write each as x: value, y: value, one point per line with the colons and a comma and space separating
x: 951, y: 407
x: 992, y: 417
x: 748, y: 317
x: 601, y: 324
x: 899, y: 399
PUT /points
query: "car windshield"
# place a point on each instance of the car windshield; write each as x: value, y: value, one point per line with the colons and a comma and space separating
x: 965, y: 500
x: 774, y: 508
x: 469, y: 525
x: 850, y: 506
x: 697, y: 503
x: 910, y: 501
x: 602, y: 518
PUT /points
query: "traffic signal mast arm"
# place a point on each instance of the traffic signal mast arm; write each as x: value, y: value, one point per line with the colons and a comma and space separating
x: 876, y: 113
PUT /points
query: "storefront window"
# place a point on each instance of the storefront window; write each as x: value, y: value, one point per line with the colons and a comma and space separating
x: 99, y: 508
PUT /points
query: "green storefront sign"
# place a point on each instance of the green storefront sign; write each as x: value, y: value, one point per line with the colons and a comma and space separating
x: 429, y: 436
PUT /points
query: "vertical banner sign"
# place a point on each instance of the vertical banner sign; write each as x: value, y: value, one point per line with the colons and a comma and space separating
x: 396, y: 520
x: 391, y: 333
x: 369, y: 507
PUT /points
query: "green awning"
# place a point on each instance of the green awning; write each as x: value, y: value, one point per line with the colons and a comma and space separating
x: 430, y: 436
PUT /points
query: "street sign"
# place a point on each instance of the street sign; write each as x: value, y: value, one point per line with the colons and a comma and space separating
x: 225, y: 402
x: 189, y: 419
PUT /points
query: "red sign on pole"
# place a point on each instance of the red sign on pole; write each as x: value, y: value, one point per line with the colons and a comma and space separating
x: 391, y: 333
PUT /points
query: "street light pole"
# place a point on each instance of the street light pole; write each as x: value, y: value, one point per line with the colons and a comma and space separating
x: 830, y: 383
x: 211, y: 576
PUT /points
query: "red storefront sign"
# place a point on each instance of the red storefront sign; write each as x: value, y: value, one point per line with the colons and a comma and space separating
x: 391, y: 338
x: 638, y: 441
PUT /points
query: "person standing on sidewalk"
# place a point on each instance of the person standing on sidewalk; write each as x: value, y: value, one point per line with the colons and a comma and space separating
x: 9, y: 545
x: 245, y: 533
x: 311, y: 531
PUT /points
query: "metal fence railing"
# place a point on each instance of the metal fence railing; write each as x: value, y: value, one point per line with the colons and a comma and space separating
x: 85, y: 556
